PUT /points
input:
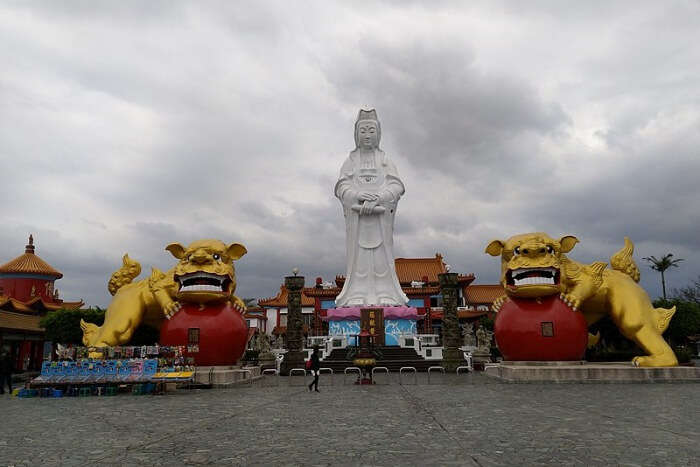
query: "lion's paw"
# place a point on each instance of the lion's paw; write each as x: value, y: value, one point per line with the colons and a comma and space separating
x: 572, y: 300
x: 172, y: 308
x: 498, y: 303
x: 665, y: 359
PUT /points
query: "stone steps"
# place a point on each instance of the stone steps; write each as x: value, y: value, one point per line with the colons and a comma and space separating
x: 392, y: 358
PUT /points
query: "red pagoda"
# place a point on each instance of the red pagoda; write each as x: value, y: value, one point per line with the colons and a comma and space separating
x: 27, y: 293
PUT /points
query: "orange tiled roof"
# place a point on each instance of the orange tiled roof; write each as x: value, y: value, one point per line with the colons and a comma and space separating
x: 36, y: 304
x: 414, y: 269
x: 321, y: 292
x: 281, y: 300
x: 250, y: 315
x: 483, y: 293
x: 335, y: 291
x: 470, y: 313
x: 29, y: 263
x: 20, y: 321
x: 72, y: 305
x: 11, y: 304
x: 422, y: 291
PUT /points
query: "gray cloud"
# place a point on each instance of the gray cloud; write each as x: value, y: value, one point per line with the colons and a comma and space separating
x: 126, y: 126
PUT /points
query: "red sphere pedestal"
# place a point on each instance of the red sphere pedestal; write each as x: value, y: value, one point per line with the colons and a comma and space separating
x: 544, y: 329
x: 223, y: 333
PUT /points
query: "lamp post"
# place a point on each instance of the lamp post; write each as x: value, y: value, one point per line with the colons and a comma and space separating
x: 451, y: 341
x: 294, y: 358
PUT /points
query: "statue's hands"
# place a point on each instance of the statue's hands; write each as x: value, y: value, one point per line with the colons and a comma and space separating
x: 368, y: 207
x: 367, y: 196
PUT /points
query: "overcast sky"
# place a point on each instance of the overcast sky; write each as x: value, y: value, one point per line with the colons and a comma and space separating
x: 125, y: 126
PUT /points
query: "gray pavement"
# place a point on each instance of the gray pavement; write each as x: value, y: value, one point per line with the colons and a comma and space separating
x: 467, y: 420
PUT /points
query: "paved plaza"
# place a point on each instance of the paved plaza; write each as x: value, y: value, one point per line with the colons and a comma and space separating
x: 461, y: 420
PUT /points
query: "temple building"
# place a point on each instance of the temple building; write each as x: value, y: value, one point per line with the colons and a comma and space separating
x: 480, y: 297
x: 27, y: 293
x: 256, y: 318
x: 419, y: 281
x: 276, y: 312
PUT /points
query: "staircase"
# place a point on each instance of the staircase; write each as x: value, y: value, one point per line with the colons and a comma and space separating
x: 391, y: 357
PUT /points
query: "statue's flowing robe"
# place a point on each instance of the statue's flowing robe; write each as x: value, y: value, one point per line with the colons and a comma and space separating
x: 370, y: 277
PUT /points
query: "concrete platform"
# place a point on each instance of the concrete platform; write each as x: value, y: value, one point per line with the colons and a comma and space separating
x: 589, y: 372
x: 225, y: 376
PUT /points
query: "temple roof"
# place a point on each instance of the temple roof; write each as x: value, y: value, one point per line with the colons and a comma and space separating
x: 36, y: 305
x: 29, y: 263
x: 486, y: 293
x: 280, y: 300
x: 408, y: 270
x: 335, y: 291
x: 419, y: 269
x: 415, y: 269
x: 257, y: 313
x: 20, y: 321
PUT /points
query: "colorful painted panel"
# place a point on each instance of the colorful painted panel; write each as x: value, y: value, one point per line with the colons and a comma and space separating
x: 394, y: 328
x: 344, y: 328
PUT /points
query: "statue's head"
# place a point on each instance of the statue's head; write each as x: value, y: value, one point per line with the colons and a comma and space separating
x: 531, y: 263
x: 368, y: 131
x: 205, y: 272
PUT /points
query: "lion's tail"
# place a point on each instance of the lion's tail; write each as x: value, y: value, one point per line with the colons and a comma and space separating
x: 90, y: 331
x: 663, y: 317
x: 622, y: 260
x: 128, y: 272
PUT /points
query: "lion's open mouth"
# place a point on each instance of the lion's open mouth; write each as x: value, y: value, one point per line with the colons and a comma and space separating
x: 532, y: 276
x: 203, y: 282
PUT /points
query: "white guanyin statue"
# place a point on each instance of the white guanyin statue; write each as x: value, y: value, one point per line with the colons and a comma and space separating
x: 369, y: 189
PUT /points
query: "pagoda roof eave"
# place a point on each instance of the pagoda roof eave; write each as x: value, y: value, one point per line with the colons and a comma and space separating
x: 281, y: 300
x: 29, y: 263
x: 35, y: 305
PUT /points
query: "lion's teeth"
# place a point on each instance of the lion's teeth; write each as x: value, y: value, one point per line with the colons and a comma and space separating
x: 201, y: 288
x: 534, y: 280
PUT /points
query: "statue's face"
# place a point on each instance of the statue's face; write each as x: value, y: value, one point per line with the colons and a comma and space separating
x: 367, y: 135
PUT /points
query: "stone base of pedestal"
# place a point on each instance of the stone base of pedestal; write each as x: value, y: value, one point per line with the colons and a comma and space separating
x: 479, y: 359
x: 225, y: 376
x: 292, y: 359
x: 586, y: 372
x: 451, y: 359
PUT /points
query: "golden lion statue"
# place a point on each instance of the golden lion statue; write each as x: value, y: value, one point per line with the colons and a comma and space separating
x: 534, y: 265
x: 205, y: 273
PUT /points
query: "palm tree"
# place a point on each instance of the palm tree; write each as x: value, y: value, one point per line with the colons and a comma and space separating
x: 662, y: 265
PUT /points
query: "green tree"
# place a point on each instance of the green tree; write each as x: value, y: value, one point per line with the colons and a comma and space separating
x: 486, y: 322
x: 662, y: 265
x: 145, y: 335
x: 690, y: 293
x: 63, y: 326
x: 685, y: 322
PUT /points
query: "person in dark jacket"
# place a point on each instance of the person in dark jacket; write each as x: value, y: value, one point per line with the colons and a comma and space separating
x: 5, y: 372
x: 315, y: 367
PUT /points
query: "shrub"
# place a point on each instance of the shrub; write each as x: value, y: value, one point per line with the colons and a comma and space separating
x: 684, y: 354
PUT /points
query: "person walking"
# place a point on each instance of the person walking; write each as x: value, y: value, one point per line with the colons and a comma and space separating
x: 315, y: 367
x: 5, y: 371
